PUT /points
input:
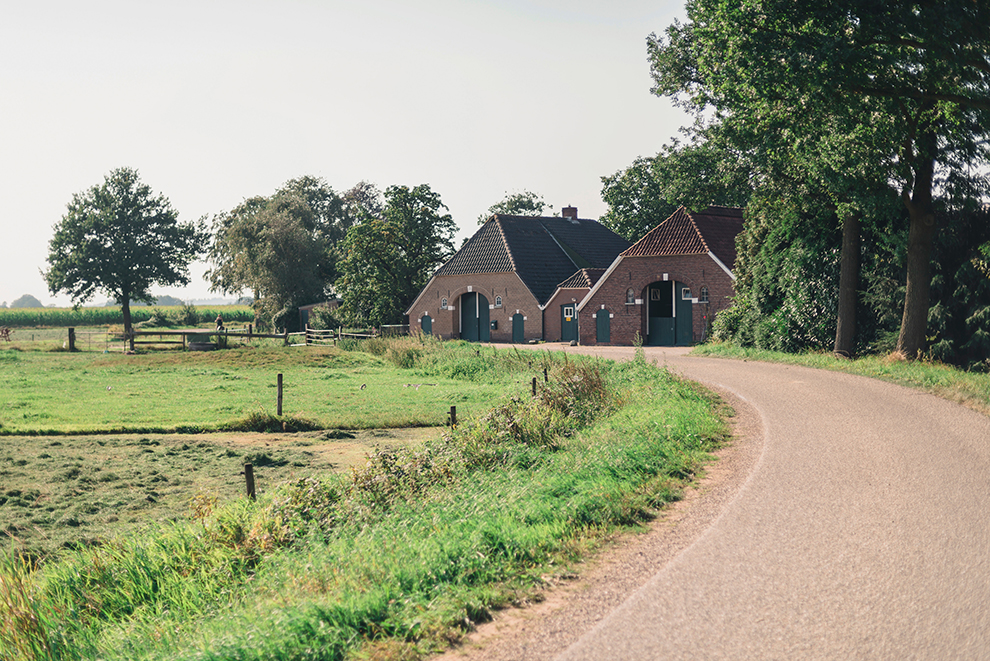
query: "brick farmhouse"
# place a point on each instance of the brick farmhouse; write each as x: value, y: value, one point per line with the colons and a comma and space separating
x: 524, y: 278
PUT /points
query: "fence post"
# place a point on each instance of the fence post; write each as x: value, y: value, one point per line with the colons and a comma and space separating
x: 453, y: 417
x: 72, y: 339
x: 250, y: 331
x: 546, y: 377
x: 534, y: 386
x: 279, y: 394
x: 285, y: 336
x: 249, y: 480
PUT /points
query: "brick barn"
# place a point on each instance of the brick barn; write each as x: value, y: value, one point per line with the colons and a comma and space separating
x: 668, y: 286
x: 497, y: 286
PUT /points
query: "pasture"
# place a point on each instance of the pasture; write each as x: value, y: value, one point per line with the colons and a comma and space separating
x: 393, y: 559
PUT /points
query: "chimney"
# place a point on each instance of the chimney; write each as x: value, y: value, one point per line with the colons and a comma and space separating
x: 569, y: 212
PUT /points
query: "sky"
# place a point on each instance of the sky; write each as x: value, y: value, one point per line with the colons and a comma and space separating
x: 215, y: 101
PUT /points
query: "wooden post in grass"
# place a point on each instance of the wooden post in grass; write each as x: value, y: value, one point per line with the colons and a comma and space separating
x: 249, y: 479
x: 279, y: 394
x: 72, y: 339
x: 534, y: 386
x: 453, y: 417
x: 546, y: 377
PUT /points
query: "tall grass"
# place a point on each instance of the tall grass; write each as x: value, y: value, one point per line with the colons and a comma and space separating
x: 107, y: 316
x: 396, y: 560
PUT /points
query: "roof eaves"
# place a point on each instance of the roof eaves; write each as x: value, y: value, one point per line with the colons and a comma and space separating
x: 722, y: 265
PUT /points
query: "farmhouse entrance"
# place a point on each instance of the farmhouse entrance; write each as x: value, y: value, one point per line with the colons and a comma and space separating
x: 568, y: 323
x: 518, y: 328
x: 669, y: 314
x: 474, y: 318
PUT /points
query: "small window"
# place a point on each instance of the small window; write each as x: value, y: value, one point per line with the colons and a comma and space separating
x: 498, y: 301
x: 443, y: 303
x: 704, y: 294
x: 630, y: 296
x: 568, y: 312
x: 685, y: 293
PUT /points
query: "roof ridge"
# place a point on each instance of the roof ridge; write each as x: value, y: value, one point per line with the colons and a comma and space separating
x: 567, y: 251
x: 505, y: 244
x: 697, y: 230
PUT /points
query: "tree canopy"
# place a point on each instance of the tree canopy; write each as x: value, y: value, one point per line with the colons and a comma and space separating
x: 850, y: 95
x: 120, y: 238
x: 388, y: 259
x: 26, y: 301
x: 284, y: 248
x: 525, y: 203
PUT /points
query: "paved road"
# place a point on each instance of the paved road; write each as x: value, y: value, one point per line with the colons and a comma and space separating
x: 859, y: 531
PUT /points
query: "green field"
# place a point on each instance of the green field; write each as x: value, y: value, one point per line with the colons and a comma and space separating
x: 392, y: 559
x: 171, y: 391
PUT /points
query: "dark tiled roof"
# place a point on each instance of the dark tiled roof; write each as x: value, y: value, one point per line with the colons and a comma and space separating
x: 542, y: 251
x: 583, y: 279
x: 693, y: 233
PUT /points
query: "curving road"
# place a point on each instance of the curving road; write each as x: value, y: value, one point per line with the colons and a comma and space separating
x: 860, y: 529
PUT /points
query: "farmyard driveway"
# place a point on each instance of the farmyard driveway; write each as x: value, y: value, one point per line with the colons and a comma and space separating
x: 856, y: 528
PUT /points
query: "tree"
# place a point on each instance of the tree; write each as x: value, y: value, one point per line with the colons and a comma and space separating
x: 917, y: 73
x: 702, y: 172
x: 120, y: 238
x: 525, y: 203
x: 283, y: 248
x: 389, y: 259
x: 26, y: 301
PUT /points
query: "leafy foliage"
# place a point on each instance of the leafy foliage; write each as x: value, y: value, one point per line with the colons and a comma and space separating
x: 121, y: 239
x: 526, y: 203
x: 283, y: 248
x: 837, y: 101
x: 387, y: 260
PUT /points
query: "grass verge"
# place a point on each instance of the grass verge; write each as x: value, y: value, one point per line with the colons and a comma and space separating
x: 394, y: 561
x: 970, y: 389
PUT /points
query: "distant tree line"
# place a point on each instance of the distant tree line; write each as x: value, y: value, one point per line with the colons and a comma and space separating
x: 305, y: 243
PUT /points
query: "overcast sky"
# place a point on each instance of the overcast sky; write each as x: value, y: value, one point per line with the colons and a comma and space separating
x: 216, y: 101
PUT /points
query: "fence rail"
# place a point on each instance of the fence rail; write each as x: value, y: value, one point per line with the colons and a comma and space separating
x: 191, y: 337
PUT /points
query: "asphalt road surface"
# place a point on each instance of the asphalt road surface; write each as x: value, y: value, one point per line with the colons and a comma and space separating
x: 857, y: 529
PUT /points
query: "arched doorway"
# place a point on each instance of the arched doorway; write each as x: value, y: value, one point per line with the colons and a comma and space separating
x: 669, y: 314
x: 474, y: 317
x: 426, y: 324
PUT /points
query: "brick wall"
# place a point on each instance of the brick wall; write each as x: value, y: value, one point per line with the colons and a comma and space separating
x: 638, y: 273
x: 446, y: 323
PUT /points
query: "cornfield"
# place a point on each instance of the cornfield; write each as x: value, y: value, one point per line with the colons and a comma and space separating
x: 108, y: 316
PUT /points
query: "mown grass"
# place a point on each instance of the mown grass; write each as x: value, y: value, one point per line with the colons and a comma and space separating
x: 63, y: 492
x: 187, y: 392
x: 971, y: 389
x: 394, y: 561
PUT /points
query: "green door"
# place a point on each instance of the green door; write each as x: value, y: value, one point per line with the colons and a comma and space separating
x: 660, y: 311
x: 426, y: 324
x: 568, y: 323
x: 518, y: 328
x: 603, y: 326
x: 474, y: 318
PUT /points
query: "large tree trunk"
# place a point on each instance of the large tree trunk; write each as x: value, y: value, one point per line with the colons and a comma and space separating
x: 921, y: 211
x: 845, y: 328
x: 125, y: 309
